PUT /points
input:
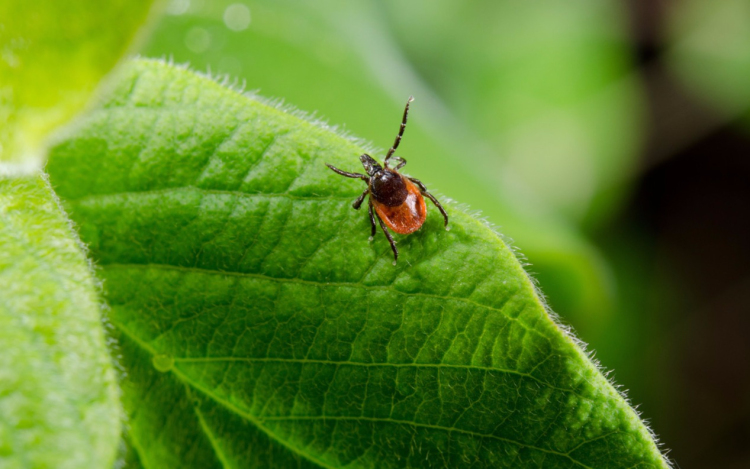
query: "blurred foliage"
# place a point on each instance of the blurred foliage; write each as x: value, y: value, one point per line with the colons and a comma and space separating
x: 489, y: 127
x: 544, y: 83
x: 52, y: 56
x: 710, y: 52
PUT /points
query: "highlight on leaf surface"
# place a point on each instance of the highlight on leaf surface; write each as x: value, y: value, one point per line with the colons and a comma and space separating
x: 53, y: 55
x: 259, y: 328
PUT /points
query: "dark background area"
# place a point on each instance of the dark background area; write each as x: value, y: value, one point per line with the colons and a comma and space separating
x: 692, y: 202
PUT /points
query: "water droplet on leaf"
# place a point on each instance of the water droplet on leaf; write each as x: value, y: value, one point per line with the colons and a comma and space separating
x: 163, y: 362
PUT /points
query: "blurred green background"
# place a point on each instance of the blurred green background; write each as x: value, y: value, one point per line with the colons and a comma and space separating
x: 607, y: 138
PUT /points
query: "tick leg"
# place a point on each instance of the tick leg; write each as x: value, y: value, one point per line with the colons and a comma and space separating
x: 372, y: 221
x: 423, y: 189
x: 419, y: 184
x: 347, y: 174
x: 400, y: 131
x: 400, y: 162
x: 358, y: 203
x: 437, y: 204
x: 390, y: 240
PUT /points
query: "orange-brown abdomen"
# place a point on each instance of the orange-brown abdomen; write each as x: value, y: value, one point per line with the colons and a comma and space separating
x: 407, y: 217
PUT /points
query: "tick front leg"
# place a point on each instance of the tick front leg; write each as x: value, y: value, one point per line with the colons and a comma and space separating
x: 423, y: 189
x: 348, y: 174
x: 372, y: 221
x: 400, y: 162
x: 400, y: 131
x: 390, y: 240
x: 358, y: 203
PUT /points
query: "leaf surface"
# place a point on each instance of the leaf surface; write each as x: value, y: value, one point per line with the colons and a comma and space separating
x: 259, y: 328
x: 58, y: 394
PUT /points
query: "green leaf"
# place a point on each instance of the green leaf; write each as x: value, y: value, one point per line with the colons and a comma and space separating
x: 58, y: 394
x: 260, y: 328
x: 52, y: 56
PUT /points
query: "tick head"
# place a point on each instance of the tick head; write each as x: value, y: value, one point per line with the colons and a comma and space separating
x: 371, y: 166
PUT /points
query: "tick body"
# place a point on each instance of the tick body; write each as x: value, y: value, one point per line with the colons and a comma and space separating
x: 395, y: 199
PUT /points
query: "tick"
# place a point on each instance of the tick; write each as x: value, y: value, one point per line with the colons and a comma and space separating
x: 396, y: 199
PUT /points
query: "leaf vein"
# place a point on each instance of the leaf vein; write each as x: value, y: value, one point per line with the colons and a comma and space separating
x: 207, y: 431
x: 226, y: 404
x: 307, y: 361
x: 421, y: 425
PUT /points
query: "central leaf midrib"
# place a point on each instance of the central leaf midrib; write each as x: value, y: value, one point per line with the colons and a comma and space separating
x: 191, y: 188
